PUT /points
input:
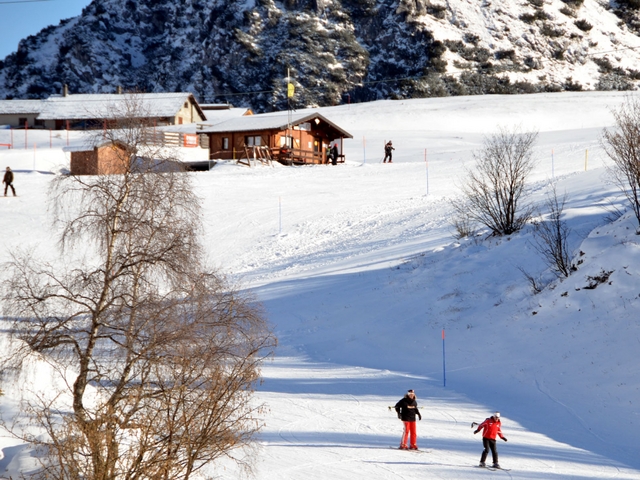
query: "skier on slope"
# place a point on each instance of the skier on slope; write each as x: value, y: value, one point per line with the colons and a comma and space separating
x: 8, y: 181
x: 490, y: 429
x: 407, y: 409
x: 388, y: 152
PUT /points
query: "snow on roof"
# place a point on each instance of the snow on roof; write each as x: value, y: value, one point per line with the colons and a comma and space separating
x: 265, y: 121
x: 111, y: 105
x: 216, y: 106
x: 217, y: 116
x: 16, y: 107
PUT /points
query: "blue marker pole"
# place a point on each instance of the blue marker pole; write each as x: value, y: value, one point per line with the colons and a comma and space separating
x: 444, y: 369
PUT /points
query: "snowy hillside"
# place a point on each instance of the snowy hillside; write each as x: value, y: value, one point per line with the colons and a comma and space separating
x: 336, y: 51
x: 359, y: 272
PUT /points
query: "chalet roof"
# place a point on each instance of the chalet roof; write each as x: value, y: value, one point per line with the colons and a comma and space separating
x: 267, y: 121
x: 110, y: 105
x: 218, y: 116
x: 17, y: 107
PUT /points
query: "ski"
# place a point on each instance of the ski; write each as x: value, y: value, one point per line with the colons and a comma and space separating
x: 492, y: 468
x: 410, y: 450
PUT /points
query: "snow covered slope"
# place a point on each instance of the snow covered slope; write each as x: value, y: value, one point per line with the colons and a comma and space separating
x: 359, y: 272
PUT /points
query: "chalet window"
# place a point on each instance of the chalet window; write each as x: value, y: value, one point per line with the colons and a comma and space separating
x: 39, y: 123
x: 225, y: 143
x: 286, y: 140
x: 23, y: 122
x: 252, y: 141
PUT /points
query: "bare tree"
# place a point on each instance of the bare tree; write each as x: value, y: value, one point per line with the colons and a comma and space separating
x: 493, y: 192
x: 163, y: 352
x: 551, y: 236
x: 622, y: 145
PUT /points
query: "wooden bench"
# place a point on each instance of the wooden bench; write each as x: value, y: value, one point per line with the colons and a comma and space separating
x: 8, y: 145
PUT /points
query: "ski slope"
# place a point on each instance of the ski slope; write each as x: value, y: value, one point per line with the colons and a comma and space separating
x: 359, y: 272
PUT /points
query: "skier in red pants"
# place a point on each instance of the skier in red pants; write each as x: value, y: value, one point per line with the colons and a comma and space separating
x: 407, y: 409
x: 490, y: 429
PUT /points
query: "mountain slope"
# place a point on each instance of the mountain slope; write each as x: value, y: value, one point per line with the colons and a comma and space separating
x: 335, y: 50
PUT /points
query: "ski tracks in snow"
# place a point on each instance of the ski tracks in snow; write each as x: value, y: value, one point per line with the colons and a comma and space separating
x: 342, y: 236
x: 347, y: 432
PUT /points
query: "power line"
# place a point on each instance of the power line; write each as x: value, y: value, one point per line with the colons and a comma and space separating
x: 611, y: 51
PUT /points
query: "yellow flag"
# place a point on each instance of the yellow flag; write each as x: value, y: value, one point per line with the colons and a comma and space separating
x: 290, y: 90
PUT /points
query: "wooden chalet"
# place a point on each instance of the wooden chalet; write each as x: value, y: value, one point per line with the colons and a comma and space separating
x: 289, y: 138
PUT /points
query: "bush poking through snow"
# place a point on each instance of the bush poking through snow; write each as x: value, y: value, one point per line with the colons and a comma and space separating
x: 493, y: 193
x: 551, y: 236
x: 602, y: 277
x: 622, y: 145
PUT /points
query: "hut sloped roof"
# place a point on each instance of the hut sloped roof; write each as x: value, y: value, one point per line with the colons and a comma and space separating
x: 111, y: 105
x: 267, y: 121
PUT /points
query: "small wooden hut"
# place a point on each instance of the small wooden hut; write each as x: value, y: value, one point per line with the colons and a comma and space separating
x: 105, y: 159
x: 289, y: 138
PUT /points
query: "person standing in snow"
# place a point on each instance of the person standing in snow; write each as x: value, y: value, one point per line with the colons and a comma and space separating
x: 388, y: 152
x: 490, y: 429
x: 407, y: 410
x: 334, y: 154
x: 8, y: 181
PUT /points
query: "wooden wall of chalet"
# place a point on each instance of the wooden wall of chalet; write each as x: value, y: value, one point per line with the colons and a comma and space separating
x: 310, y: 143
x: 104, y: 160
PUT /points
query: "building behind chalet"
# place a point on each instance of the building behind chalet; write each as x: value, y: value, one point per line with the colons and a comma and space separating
x: 86, y: 111
x: 17, y: 113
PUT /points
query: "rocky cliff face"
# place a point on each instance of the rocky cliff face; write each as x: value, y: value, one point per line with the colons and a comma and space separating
x: 334, y: 50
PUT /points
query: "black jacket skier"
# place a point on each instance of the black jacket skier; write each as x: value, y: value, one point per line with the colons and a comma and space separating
x: 388, y: 152
x: 8, y: 181
x: 407, y: 409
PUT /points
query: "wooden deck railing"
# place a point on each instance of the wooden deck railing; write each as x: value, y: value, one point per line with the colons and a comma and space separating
x: 295, y: 156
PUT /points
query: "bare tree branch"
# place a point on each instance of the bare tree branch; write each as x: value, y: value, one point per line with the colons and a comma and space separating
x: 166, y: 352
x: 622, y: 145
x: 551, y: 236
x: 493, y: 192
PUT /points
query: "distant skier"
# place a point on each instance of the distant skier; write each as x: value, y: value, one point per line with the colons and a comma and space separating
x: 8, y: 181
x: 490, y: 429
x: 333, y: 152
x: 407, y: 409
x: 388, y: 152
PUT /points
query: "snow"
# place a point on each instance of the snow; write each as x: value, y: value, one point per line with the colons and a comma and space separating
x: 83, y: 106
x: 360, y: 273
x: 499, y: 26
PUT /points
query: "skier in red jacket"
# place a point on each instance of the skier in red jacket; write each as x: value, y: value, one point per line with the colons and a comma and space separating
x: 490, y: 429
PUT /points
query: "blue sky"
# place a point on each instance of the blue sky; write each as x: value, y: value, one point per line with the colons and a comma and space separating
x: 21, y: 18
